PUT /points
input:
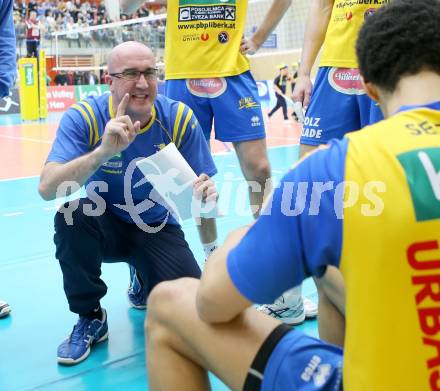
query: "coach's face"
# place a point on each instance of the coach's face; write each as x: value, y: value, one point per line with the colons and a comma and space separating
x: 132, y: 70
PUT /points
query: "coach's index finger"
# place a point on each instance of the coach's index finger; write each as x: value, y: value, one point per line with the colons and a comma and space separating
x: 123, y: 106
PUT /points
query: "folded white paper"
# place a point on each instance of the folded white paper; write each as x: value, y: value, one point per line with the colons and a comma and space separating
x: 172, y: 177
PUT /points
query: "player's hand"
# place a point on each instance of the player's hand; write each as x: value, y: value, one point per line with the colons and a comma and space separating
x: 302, y: 91
x: 119, y: 132
x: 248, y: 46
x: 204, y: 189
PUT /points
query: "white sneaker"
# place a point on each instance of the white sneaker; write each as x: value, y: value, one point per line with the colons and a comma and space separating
x: 4, y: 309
x: 281, y: 311
x: 292, y: 316
x: 310, y: 308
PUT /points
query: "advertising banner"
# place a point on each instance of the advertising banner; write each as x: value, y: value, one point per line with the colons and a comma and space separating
x: 29, y: 89
x: 42, y: 80
x: 10, y: 104
x: 266, y: 93
x: 60, y: 98
x: 83, y: 92
x: 271, y: 42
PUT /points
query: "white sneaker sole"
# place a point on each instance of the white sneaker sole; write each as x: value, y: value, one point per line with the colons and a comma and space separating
x: 138, y: 307
x: 71, y: 361
x: 310, y: 308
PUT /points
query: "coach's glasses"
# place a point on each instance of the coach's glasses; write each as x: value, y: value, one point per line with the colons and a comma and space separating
x: 150, y: 74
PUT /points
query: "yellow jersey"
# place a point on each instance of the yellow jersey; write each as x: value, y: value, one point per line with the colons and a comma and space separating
x: 391, y: 265
x: 370, y: 205
x: 345, y: 22
x: 203, y: 38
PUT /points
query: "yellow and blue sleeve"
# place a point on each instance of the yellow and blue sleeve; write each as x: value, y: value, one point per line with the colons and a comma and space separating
x: 189, y: 139
x: 88, y: 114
x: 182, y: 118
x: 74, y: 136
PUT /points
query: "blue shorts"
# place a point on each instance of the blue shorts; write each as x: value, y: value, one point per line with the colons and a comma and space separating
x: 232, y: 102
x: 338, y: 105
x: 290, y: 360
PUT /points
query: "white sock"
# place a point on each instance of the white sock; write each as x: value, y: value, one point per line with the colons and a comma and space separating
x: 209, y: 248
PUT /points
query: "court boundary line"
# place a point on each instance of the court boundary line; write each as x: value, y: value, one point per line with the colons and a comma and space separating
x: 214, y: 154
x: 19, y: 138
x: 86, y: 371
x: 19, y: 178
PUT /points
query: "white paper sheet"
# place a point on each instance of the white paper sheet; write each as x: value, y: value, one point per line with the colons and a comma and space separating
x: 172, y: 177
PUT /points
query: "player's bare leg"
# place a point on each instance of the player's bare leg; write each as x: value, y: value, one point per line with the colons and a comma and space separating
x: 255, y: 166
x: 177, y: 338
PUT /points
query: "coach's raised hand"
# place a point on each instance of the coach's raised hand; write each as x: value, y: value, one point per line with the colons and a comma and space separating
x: 119, y: 132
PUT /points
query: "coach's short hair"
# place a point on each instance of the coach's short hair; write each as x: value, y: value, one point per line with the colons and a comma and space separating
x: 402, y: 38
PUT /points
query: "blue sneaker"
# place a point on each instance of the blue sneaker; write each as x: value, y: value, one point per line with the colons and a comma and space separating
x: 86, y: 333
x: 136, y: 294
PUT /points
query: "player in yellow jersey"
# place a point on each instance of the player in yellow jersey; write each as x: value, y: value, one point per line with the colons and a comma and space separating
x: 206, y: 68
x: 384, y: 236
x: 338, y: 104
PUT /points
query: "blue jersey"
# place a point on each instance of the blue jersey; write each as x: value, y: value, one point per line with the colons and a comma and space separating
x: 8, y: 66
x: 81, y: 130
x: 370, y: 205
